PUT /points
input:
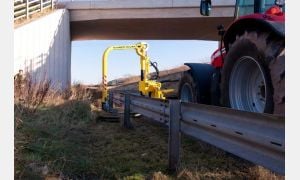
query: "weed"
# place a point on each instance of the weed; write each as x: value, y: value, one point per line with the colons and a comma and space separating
x: 28, y: 93
x: 63, y: 140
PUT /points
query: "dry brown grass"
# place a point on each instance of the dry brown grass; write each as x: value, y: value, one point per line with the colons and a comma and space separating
x: 169, y: 78
x: 89, y: 93
x: 174, y: 70
x: 29, y: 94
x: 260, y: 173
x: 79, y: 92
x: 255, y: 173
x: 159, y: 176
x: 163, y: 74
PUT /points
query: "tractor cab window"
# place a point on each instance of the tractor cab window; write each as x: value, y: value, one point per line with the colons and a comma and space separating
x: 246, y: 7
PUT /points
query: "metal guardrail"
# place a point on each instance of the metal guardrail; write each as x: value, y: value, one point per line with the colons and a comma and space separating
x: 25, y: 8
x: 258, y: 138
x: 117, y: 99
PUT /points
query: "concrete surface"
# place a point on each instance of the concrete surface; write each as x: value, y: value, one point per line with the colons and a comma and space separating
x: 145, y: 19
x: 43, y: 48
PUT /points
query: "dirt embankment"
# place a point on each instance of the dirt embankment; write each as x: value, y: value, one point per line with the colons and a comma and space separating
x: 169, y: 79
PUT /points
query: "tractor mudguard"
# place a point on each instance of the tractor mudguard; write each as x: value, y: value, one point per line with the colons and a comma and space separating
x: 252, y: 24
x: 202, y: 75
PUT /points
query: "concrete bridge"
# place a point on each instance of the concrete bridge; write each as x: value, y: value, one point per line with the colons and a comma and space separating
x: 45, y: 44
x: 145, y: 19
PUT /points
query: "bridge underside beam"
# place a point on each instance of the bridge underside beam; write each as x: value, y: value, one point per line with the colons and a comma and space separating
x: 149, y: 28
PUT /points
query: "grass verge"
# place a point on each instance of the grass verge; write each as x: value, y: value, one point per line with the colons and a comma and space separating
x: 65, y: 142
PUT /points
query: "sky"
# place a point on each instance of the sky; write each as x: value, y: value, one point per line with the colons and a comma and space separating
x: 86, y: 57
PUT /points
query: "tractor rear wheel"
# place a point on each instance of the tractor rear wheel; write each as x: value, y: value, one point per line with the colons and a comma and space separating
x: 253, y: 74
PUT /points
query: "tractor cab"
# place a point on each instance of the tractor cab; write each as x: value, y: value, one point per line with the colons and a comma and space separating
x: 248, y: 7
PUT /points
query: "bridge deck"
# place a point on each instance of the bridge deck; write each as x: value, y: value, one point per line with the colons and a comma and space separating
x: 145, y: 19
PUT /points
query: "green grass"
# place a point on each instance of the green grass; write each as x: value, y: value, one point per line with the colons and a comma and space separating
x: 66, y: 141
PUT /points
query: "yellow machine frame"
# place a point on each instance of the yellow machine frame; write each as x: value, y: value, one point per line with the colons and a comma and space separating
x: 147, y: 87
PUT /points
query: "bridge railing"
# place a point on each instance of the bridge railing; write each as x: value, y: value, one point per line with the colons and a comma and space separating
x: 25, y: 8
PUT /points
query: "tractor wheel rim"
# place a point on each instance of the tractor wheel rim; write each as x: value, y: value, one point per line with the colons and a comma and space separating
x: 247, y: 86
x: 186, y: 94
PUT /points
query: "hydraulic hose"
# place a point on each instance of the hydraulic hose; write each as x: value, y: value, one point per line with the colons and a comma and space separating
x: 154, y: 65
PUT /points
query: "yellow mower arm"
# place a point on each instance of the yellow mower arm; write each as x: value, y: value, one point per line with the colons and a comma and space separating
x: 147, y: 87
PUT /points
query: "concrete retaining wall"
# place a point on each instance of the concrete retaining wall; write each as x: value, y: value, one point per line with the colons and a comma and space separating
x: 43, y: 48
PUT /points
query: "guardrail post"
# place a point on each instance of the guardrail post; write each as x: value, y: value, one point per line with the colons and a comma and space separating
x: 27, y: 9
x: 41, y: 5
x: 174, y: 134
x: 110, y: 101
x: 126, y: 119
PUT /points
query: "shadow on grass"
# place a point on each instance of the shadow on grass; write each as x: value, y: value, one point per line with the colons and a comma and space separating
x: 65, y: 141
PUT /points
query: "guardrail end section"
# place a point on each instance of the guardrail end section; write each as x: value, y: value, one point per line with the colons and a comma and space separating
x: 174, y: 135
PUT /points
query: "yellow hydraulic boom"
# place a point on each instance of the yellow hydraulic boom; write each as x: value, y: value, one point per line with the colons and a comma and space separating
x: 147, y: 87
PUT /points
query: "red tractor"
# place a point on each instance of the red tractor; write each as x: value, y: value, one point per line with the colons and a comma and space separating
x: 247, y: 72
